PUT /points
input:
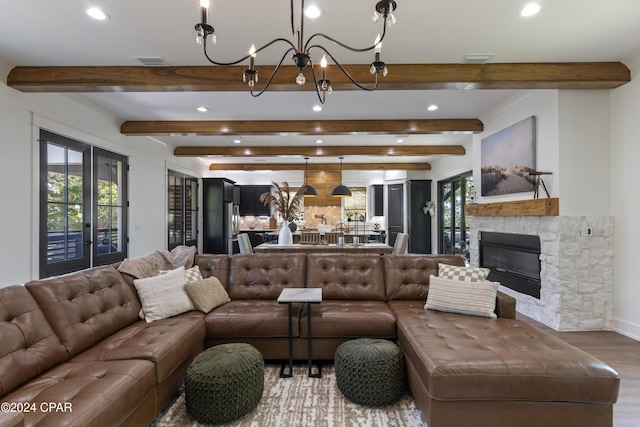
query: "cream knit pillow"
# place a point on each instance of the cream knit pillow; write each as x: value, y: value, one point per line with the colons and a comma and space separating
x: 207, y: 294
x: 454, y: 296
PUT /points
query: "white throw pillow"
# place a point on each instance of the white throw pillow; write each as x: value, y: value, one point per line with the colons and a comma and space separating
x: 464, y: 274
x: 455, y: 296
x: 164, y: 295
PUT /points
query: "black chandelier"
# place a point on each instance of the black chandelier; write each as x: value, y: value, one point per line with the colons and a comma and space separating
x: 301, y: 52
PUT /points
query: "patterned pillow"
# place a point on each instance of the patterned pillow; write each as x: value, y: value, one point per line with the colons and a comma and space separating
x: 192, y: 273
x: 164, y: 295
x: 455, y: 296
x: 464, y: 274
x: 207, y: 294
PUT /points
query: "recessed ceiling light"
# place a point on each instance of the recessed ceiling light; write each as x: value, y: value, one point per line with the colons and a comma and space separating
x: 432, y: 107
x: 317, y: 108
x: 319, y: 141
x: 399, y: 140
x: 98, y: 14
x: 312, y: 11
x: 530, y: 9
x: 203, y: 109
x: 237, y: 141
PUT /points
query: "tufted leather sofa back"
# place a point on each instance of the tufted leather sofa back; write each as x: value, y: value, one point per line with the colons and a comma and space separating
x: 86, y: 306
x: 407, y: 275
x: 263, y: 276
x: 347, y: 276
x: 214, y: 265
x: 28, y: 345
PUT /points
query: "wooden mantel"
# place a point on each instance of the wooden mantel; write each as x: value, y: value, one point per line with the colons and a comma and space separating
x: 531, y: 207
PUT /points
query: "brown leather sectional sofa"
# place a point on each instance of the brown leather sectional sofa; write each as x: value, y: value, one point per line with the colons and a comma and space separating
x: 73, y: 350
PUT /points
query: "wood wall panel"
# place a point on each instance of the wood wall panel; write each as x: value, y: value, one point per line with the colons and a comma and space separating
x: 324, y: 182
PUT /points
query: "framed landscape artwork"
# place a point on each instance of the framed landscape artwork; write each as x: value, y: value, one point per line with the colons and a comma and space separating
x: 507, y: 157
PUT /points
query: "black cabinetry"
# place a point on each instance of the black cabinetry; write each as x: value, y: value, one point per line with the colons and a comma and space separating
x: 377, y: 199
x: 419, y: 222
x: 217, y: 206
x: 250, y: 204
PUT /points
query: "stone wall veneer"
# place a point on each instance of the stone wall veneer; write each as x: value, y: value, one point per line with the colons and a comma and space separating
x: 576, y: 271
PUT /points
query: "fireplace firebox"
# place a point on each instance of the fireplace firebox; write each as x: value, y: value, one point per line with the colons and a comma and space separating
x: 513, y: 259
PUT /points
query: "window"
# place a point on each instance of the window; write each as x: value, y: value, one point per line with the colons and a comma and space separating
x: 82, y: 205
x: 453, y: 195
x: 355, y: 207
x: 183, y: 210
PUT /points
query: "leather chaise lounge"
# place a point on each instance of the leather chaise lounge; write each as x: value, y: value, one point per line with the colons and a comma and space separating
x: 77, y: 339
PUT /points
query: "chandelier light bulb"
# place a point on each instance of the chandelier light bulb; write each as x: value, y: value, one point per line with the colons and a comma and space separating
x: 372, y: 69
x: 384, y: 72
x: 300, y: 80
x: 204, y: 3
x: 378, y: 44
x: 392, y: 20
x: 323, y: 61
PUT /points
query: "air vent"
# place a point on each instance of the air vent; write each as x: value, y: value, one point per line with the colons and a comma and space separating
x: 476, y: 58
x: 152, y: 61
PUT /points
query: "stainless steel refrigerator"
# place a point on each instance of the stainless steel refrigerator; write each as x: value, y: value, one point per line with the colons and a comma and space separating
x: 232, y: 224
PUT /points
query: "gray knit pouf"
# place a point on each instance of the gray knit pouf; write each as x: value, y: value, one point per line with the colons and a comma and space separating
x: 370, y: 372
x: 224, y: 383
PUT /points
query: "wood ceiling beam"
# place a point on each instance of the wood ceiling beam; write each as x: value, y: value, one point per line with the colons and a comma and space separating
x: 301, y: 127
x: 325, y: 151
x: 569, y: 75
x: 317, y: 166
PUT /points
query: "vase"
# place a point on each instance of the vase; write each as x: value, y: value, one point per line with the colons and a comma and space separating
x: 285, y: 237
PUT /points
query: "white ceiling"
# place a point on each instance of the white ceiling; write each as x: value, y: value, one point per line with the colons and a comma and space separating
x: 59, y: 33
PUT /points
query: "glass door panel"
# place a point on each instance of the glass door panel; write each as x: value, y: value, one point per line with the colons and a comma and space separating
x: 64, y: 200
x: 454, y: 194
x: 110, y: 207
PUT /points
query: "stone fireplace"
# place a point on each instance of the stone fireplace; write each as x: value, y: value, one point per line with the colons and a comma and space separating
x: 576, y: 271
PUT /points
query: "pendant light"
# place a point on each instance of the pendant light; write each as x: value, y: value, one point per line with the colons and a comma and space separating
x: 309, y: 190
x: 341, y: 190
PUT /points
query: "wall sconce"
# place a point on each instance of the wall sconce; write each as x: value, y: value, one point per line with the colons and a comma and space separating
x: 429, y: 208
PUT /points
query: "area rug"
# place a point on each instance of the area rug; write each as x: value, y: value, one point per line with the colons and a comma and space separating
x: 303, y: 402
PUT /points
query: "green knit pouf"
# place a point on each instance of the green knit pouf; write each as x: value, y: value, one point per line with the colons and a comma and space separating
x: 224, y: 383
x: 370, y: 372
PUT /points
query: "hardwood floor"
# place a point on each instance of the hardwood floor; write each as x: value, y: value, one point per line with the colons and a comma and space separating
x: 619, y: 352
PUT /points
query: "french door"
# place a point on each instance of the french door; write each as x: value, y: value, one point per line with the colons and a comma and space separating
x: 183, y: 210
x: 453, y: 232
x: 83, y: 208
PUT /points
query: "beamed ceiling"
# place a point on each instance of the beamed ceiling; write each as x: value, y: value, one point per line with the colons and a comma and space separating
x: 386, y: 129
